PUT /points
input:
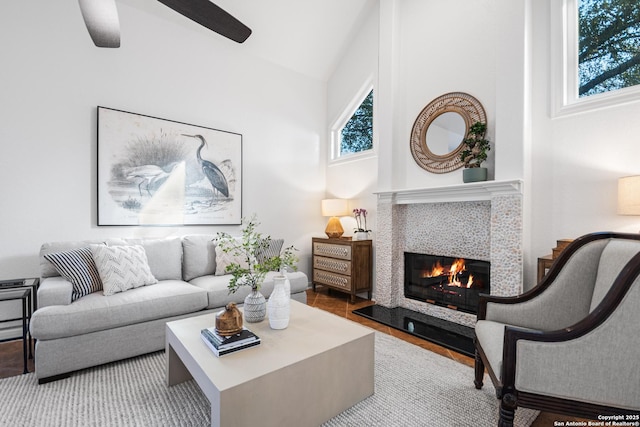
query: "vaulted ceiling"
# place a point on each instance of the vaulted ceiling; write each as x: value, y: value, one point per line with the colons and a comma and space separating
x: 307, y: 36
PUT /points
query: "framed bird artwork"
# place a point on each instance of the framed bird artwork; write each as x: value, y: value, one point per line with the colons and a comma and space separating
x: 154, y: 171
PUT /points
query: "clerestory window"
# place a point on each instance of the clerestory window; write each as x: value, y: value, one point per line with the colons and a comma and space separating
x: 608, y: 45
x: 599, y: 64
x: 354, y: 132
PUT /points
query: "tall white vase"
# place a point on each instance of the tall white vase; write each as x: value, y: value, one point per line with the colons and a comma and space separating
x: 287, y: 283
x: 279, y: 305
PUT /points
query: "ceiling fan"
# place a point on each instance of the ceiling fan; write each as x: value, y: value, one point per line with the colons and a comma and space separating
x: 101, y: 19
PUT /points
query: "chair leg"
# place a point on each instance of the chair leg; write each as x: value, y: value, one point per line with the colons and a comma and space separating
x: 508, y: 406
x: 479, y: 370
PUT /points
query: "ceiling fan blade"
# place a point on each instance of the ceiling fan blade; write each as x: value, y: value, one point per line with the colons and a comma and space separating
x: 212, y: 17
x: 101, y: 19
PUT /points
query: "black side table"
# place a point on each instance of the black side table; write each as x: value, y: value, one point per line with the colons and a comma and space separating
x: 25, y: 290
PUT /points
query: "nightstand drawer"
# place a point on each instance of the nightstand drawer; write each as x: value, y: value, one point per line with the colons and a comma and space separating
x: 332, y: 279
x: 332, y: 264
x: 332, y: 251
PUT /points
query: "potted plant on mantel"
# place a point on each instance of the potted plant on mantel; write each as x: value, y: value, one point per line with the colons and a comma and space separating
x: 249, y: 268
x: 474, y: 153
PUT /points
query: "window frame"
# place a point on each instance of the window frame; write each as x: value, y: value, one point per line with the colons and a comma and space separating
x: 339, y: 123
x: 564, y: 43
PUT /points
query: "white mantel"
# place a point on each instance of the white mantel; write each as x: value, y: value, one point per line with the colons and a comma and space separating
x: 473, y: 191
x: 480, y: 220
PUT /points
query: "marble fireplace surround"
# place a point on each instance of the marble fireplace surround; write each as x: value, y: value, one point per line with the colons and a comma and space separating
x: 481, y: 220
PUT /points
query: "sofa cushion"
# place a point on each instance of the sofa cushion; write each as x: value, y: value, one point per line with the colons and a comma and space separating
x: 164, y: 256
x: 490, y: 335
x: 96, y: 312
x: 78, y: 267
x: 122, y: 267
x: 218, y: 291
x: 199, y: 256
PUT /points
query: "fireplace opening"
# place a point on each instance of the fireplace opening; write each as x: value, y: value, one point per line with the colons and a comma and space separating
x: 455, y: 283
x: 446, y: 281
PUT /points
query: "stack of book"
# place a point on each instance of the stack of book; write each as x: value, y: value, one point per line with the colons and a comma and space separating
x: 221, y: 345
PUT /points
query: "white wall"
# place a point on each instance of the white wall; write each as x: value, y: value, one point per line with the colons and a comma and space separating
x: 356, y: 179
x: 577, y: 159
x: 53, y: 77
x: 443, y: 46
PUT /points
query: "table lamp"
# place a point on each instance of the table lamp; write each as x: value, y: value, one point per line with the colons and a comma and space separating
x: 629, y: 195
x: 334, y: 208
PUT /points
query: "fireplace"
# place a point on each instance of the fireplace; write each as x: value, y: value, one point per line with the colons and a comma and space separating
x: 477, y: 221
x: 449, y: 282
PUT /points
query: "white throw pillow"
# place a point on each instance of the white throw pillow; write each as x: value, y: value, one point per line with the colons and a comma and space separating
x: 122, y: 267
x: 223, y: 259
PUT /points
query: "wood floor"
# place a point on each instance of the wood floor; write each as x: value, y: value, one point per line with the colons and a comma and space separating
x: 336, y: 303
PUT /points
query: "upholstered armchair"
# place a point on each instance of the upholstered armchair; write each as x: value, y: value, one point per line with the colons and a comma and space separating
x: 571, y: 345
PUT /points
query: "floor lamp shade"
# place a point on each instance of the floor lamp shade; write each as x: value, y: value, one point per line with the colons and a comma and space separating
x: 629, y: 195
x: 334, y: 208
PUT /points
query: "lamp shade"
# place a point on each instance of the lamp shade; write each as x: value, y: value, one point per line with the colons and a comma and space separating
x: 629, y: 195
x: 335, y: 207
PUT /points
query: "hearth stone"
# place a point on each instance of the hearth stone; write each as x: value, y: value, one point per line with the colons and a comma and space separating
x: 442, y: 332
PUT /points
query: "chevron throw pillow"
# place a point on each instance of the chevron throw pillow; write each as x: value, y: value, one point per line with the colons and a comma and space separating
x: 223, y: 259
x: 122, y: 267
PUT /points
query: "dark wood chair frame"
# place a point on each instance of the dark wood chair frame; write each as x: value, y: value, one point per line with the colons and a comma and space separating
x: 510, y: 397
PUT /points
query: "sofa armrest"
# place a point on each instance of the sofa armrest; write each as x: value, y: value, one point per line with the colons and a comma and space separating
x: 54, y: 291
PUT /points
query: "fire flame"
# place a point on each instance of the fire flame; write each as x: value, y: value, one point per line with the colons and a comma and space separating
x: 452, y: 272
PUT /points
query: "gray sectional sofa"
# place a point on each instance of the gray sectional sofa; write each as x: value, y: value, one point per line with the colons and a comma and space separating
x: 96, y: 329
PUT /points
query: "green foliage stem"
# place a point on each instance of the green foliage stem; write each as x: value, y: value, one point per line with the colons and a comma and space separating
x: 248, y: 248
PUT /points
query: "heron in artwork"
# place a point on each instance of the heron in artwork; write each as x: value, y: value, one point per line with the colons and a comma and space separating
x: 211, y: 171
x: 149, y: 175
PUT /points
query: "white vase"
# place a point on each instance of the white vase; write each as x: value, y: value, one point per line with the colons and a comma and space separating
x: 287, y: 283
x: 279, y: 305
x: 255, y: 307
x: 361, y: 235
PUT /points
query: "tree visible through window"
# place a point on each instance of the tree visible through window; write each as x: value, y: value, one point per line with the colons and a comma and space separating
x: 357, y: 133
x: 609, y: 45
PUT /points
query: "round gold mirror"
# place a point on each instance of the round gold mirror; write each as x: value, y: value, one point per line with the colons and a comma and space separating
x: 437, y: 134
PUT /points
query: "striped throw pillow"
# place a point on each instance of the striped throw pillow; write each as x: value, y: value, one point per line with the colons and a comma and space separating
x: 272, y: 250
x: 77, y: 266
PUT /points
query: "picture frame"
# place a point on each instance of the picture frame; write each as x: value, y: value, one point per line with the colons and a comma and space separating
x: 154, y: 171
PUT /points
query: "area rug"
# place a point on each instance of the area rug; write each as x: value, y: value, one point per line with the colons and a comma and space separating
x: 413, y: 387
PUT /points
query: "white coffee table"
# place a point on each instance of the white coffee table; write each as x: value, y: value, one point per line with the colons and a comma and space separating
x: 300, y: 376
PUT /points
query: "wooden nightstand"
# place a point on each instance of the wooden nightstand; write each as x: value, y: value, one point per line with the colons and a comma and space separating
x: 344, y: 265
